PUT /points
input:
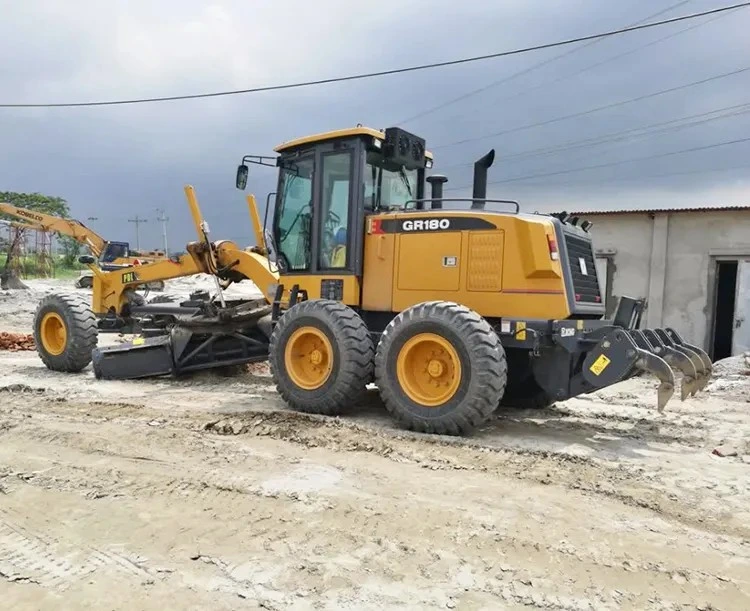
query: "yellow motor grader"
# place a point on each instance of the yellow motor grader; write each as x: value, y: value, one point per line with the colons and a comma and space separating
x: 450, y: 306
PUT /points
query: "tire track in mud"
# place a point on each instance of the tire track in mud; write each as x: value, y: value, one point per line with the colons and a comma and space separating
x: 31, y: 557
x: 622, y: 481
x: 228, y: 494
x: 201, y: 475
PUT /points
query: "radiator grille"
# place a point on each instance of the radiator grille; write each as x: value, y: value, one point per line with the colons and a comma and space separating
x: 583, y: 269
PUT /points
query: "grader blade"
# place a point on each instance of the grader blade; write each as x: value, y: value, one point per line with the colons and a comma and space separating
x: 620, y: 355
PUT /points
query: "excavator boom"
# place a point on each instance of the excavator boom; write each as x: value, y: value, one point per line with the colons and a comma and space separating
x: 47, y: 222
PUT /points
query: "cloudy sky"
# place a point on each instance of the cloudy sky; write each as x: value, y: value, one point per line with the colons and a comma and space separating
x: 118, y: 162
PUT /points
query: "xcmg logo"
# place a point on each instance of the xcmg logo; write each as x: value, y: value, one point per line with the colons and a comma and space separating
x: 426, y: 225
x: 30, y: 215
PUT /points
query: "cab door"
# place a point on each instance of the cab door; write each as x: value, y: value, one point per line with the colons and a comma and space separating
x: 329, y: 258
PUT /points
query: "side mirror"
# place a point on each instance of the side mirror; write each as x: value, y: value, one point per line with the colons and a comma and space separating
x: 242, y: 172
x: 86, y: 260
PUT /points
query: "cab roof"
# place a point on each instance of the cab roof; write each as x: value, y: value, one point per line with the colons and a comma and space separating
x: 339, y: 133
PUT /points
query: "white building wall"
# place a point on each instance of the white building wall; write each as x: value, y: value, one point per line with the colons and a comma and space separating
x: 669, y: 259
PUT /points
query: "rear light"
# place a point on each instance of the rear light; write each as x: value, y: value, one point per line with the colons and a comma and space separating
x: 578, y: 297
x: 552, y: 244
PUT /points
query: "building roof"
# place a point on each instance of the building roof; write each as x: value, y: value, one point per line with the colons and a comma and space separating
x: 657, y: 210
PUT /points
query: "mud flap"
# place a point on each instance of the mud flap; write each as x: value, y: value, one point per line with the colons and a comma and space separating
x: 617, y: 357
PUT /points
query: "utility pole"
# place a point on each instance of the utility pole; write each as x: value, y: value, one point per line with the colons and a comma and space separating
x: 137, y: 220
x: 163, y: 219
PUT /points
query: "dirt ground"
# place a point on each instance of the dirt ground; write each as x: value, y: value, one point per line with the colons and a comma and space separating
x: 207, y: 493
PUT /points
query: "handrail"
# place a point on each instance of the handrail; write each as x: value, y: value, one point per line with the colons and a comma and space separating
x: 462, y: 199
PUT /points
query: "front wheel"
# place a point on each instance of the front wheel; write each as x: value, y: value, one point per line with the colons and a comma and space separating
x: 320, y: 355
x: 65, y: 332
x: 440, y: 368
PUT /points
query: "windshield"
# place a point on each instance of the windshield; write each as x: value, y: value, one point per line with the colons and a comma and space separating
x: 397, y: 185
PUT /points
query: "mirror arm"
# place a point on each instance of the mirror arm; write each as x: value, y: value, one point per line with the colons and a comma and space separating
x: 260, y: 160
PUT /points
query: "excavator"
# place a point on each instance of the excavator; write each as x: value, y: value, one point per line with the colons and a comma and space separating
x: 451, y: 307
x: 110, y: 255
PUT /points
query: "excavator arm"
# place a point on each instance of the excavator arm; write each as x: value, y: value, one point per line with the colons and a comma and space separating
x: 33, y: 219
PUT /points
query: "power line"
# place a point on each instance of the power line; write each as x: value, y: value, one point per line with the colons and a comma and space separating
x: 647, y: 130
x: 526, y: 70
x: 596, y: 109
x: 383, y: 72
x: 659, y: 175
x: 610, y: 164
x: 663, y: 128
x: 599, y: 63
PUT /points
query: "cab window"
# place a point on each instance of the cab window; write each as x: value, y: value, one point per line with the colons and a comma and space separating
x: 334, y: 211
x: 293, y: 229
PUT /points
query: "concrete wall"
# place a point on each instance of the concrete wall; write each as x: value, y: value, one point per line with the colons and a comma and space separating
x: 669, y: 259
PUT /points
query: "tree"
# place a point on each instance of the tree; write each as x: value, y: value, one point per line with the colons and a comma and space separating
x: 31, y: 201
x: 71, y: 250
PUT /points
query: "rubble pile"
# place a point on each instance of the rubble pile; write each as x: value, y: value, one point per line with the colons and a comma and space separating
x: 16, y: 342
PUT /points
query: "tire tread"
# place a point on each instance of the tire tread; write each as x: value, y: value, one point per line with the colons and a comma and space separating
x: 355, y: 363
x: 487, y: 362
x: 81, y: 329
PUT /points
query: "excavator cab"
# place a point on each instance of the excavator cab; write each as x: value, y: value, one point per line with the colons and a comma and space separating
x: 114, y: 252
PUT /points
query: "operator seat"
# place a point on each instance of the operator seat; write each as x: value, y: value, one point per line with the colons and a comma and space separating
x: 338, y: 255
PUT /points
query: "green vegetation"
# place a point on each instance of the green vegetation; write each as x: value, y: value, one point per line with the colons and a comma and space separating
x: 34, y: 265
x: 29, y: 267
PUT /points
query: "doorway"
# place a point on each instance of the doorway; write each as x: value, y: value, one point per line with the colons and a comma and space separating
x: 726, y: 290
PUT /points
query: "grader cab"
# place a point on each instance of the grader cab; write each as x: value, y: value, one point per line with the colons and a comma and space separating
x: 450, y: 306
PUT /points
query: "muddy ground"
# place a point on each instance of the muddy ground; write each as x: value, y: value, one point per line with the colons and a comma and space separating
x: 207, y: 493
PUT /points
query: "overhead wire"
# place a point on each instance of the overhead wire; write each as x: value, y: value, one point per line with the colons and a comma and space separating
x: 380, y: 73
x: 608, y: 164
x: 658, y: 175
x: 584, y: 113
x: 515, y: 75
x: 597, y: 64
x: 626, y: 134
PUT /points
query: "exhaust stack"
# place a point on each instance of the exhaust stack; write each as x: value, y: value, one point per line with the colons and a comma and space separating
x: 480, y: 180
x: 436, y: 183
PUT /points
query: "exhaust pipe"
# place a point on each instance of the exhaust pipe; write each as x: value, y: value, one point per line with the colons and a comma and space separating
x: 436, y: 183
x: 480, y: 180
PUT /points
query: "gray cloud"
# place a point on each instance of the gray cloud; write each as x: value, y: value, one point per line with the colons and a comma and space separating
x: 116, y: 162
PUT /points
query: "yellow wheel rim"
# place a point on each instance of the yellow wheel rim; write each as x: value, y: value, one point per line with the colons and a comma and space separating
x: 429, y: 370
x: 54, y: 334
x: 308, y: 357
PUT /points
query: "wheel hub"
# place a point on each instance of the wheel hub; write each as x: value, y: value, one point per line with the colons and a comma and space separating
x: 435, y: 368
x: 54, y: 333
x: 429, y: 370
x: 308, y: 358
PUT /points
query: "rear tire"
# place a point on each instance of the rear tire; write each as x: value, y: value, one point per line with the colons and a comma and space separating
x: 440, y: 368
x: 65, y: 332
x: 321, y: 357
